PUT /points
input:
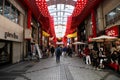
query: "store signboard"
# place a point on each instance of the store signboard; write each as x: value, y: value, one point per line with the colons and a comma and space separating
x: 28, y: 34
x: 10, y: 30
x: 112, y: 31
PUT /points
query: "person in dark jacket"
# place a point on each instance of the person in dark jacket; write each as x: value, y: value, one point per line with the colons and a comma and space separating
x: 58, y: 54
x: 52, y: 50
x: 70, y: 51
x: 114, y: 57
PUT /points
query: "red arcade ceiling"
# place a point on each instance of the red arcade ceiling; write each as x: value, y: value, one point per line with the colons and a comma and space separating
x: 41, y: 10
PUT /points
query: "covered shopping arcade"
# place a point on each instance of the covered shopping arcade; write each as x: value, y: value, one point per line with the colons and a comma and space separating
x: 29, y: 29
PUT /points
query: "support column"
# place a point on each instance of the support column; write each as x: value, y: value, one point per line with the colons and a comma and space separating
x: 29, y: 27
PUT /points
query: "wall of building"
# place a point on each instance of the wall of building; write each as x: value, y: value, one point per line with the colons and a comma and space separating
x: 100, y: 18
x: 109, y: 5
x: 88, y: 26
x: 22, y: 23
x: 10, y: 31
x: 17, y: 52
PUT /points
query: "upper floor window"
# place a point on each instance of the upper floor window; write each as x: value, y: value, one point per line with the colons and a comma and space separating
x: 1, y: 6
x: 9, y: 11
x: 7, y: 8
x: 14, y: 14
x: 113, y: 16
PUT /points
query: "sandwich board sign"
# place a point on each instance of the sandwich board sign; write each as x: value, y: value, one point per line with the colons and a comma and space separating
x: 38, y: 50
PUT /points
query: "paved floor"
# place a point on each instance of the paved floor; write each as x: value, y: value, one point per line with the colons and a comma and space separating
x: 47, y: 69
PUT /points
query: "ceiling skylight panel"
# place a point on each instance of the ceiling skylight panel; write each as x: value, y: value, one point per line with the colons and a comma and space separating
x: 52, y: 6
x: 53, y: 14
x: 67, y: 14
x: 58, y: 13
x: 55, y: 23
x: 47, y: 0
x: 74, y: 0
x: 61, y: 13
x: 56, y: 16
x: 65, y: 18
x: 59, y: 22
x: 69, y: 6
x: 55, y: 19
x: 68, y: 11
x: 59, y: 18
x: 64, y: 23
x: 58, y: 6
x: 52, y: 10
x: 62, y: 6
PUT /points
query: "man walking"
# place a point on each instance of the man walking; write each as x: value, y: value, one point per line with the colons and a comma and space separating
x: 52, y: 51
x: 58, y: 54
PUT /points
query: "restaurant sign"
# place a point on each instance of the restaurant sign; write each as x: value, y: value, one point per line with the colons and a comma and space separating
x: 113, y: 31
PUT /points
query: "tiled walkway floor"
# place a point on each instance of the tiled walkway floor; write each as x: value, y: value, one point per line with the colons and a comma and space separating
x: 47, y: 69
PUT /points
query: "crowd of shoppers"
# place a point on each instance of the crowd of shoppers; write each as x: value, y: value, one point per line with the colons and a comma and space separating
x: 57, y: 51
x: 99, y: 58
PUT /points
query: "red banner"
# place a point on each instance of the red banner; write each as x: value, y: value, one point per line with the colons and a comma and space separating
x: 29, y: 19
x: 93, y: 23
x: 113, y: 31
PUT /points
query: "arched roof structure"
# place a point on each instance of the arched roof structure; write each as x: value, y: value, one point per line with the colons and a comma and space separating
x: 61, y: 15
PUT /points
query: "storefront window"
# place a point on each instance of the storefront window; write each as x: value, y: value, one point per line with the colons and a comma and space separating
x: 1, y: 6
x: 113, y: 16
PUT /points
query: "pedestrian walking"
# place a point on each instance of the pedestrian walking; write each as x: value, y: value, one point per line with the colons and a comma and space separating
x: 58, y: 54
x: 70, y: 51
x: 52, y: 50
x: 87, y: 54
x: 65, y: 51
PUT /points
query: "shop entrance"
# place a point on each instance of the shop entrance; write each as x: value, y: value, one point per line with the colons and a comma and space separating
x: 5, y: 52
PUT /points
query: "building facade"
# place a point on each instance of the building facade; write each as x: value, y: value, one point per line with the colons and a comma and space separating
x: 107, y: 20
x: 12, y: 17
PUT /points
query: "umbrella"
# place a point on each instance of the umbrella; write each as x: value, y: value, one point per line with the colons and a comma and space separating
x: 103, y: 38
x: 79, y: 43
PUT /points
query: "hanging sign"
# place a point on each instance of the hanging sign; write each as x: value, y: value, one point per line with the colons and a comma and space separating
x: 113, y: 31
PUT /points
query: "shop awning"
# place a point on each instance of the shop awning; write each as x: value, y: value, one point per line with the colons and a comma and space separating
x: 72, y: 35
x: 45, y: 34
